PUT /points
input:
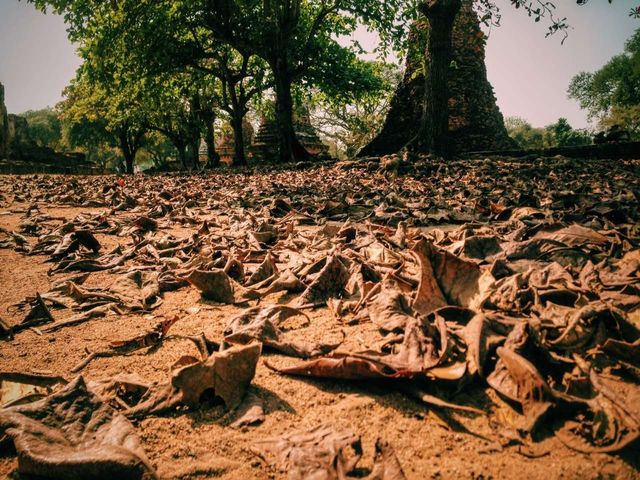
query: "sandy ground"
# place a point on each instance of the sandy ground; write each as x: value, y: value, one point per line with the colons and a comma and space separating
x: 200, y: 444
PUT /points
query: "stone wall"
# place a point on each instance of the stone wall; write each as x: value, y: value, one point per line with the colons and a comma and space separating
x: 19, y: 136
x: 475, y: 121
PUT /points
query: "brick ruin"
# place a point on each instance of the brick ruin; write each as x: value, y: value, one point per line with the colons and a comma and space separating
x: 19, y: 153
x: 265, y: 144
x: 225, y: 145
x: 475, y: 121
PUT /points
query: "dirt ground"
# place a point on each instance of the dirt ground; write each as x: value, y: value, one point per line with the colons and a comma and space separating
x: 430, y: 443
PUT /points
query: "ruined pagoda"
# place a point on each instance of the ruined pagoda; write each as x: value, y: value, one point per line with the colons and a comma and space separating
x: 265, y: 145
x: 475, y: 121
x: 226, y: 146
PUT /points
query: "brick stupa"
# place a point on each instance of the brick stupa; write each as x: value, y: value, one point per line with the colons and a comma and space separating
x: 265, y: 144
x: 475, y: 121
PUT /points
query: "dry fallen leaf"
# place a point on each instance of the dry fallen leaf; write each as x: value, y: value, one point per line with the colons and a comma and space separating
x: 324, y: 453
x: 73, y: 434
x: 224, y: 374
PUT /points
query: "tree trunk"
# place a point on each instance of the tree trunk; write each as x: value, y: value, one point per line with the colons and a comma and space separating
x: 239, y: 158
x: 129, y: 159
x: 209, y: 139
x: 195, y: 153
x: 289, y: 146
x: 434, y: 125
x: 182, y: 155
x: 128, y: 151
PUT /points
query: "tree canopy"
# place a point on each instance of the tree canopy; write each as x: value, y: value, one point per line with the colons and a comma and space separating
x: 296, y: 40
x: 45, y: 128
x: 612, y: 94
x: 175, y: 66
x: 558, y: 134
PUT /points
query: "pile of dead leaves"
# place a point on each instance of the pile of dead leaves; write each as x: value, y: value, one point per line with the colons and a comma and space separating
x: 532, y: 289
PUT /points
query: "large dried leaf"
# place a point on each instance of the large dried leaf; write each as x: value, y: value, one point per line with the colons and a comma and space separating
x: 137, y: 290
x: 574, y: 235
x: 250, y: 412
x: 263, y: 324
x: 73, y: 434
x: 224, y: 374
x: 266, y: 269
x: 215, y: 285
x: 17, y: 388
x: 344, y: 366
x: 390, y: 309
x: 445, y: 277
x: 531, y: 390
x: 612, y: 421
x: 329, y: 283
x: 323, y: 453
x: 429, y: 295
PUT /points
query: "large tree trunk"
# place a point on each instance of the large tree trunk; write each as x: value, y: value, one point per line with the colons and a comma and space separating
x: 289, y: 146
x: 239, y: 158
x: 129, y: 160
x: 209, y: 139
x: 195, y: 153
x: 182, y: 155
x: 128, y: 150
x: 434, y: 125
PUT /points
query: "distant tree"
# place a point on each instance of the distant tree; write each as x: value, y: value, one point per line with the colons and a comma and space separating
x: 44, y: 127
x: 627, y: 117
x: 351, y: 123
x: 558, y: 134
x: 89, y: 136
x: 100, y: 112
x: 612, y: 94
x: 242, y: 77
x: 170, y: 110
x: 153, y: 43
x: 528, y: 137
x: 159, y: 149
x: 561, y: 134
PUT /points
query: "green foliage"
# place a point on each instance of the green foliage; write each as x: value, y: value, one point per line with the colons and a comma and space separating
x: 528, y: 137
x: 100, y: 116
x: 626, y: 116
x: 156, y: 151
x: 351, y: 123
x: 45, y: 128
x: 612, y: 93
x: 559, y: 134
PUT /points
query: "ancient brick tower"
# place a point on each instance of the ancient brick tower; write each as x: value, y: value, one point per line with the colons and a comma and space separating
x: 475, y: 122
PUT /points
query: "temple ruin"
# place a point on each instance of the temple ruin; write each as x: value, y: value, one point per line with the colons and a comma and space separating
x: 19, y: 153
x: 265, y: 145
x: 226, y: 145
x: 475, y: 121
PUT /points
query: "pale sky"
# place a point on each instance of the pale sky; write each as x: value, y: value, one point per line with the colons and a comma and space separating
x: 529, y: 73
